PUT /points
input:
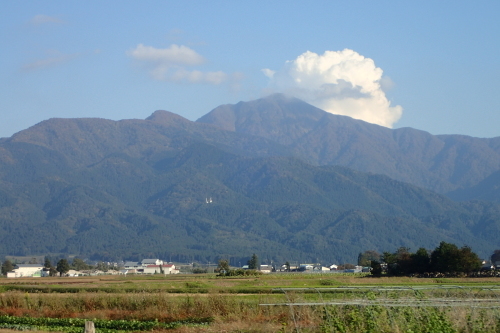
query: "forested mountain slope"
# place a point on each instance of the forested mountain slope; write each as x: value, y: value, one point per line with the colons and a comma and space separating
x: 139, y: 188
x: 488, y: 190
x: 438, y: 162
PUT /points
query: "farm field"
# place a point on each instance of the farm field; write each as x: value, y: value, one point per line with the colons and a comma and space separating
x: 266, y: 303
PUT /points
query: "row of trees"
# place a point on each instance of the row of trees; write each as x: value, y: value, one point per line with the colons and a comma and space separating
x: 446, y: 258
x: 224, y: 269
x: 62, y: 266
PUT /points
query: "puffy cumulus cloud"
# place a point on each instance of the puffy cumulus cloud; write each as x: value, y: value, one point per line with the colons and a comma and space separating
x: 170, y: 64
x: 340, y: 82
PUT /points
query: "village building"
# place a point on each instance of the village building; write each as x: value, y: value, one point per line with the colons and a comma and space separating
x: 266, y: 269
x: 26, y: 270
x: 149, y: 266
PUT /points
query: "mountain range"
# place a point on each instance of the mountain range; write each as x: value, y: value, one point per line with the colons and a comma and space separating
x: 442, y: 163
x: 275, y: 176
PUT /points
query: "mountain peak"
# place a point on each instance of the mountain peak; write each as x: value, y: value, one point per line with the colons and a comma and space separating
x: 166, y: 117
x: 270, y: 111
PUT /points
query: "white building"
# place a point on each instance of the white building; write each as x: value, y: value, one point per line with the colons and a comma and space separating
x: 322, y: 268
x: 129, y: 265
x: 26, y: 270
x: 146, y: 262
x: 150, y: 266
x: 157, y: 269
x: 266, y: 269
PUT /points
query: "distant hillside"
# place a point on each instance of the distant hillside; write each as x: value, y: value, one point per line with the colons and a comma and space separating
x: 139, y: 188
x: 441, y: 163
x: 487, y: 189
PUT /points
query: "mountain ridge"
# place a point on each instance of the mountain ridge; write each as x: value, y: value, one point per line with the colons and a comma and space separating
x: 405, y: 154
x: 132, y: 188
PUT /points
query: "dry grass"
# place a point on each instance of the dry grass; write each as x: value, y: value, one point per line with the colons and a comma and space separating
x: 149, y: 298
x: 4, y: 330
x: 235, y: 326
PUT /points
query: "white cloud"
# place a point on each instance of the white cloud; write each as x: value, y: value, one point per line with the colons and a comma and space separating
x: 170, y: 64
x: 386, y: 83
x: 340, y: 82
x: 174, y: 55
x: 268, y: 72
x: 194, y: 76
x: 48, y: 62
x: 43, y: 19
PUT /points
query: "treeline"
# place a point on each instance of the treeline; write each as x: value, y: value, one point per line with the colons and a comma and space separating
x: 62, y: 266
x: 446, y: 258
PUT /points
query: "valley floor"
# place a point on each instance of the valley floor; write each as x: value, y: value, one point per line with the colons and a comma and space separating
x: 268, y: 303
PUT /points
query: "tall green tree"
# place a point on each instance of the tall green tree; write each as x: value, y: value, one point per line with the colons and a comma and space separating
x: 287, y: 265
x: 365, y: 258
x: 469, y: 261
x: 445, y: 258
x: 421, y: 261
x: 223, y: 267
x: 495, y: 257
x: 376, y: 268
x: 79, y: 264
x: 102, y: 266
x: 448, y: 258
x: 390, y: 260
x: 7, y: 267
x: 404, y: 261
x: 47, y: 263
x: 62, y: 266
x: 253, y: 263
x: 52, y: 271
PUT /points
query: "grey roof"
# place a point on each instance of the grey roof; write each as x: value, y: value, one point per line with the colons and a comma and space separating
x: 132, y: 263
x: 29, y: 265
x: 149, y: 261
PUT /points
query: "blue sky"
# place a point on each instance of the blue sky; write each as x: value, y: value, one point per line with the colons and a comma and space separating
x: 428, y: 65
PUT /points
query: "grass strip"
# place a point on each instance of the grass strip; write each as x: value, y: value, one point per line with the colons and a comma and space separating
x: 68, y: 324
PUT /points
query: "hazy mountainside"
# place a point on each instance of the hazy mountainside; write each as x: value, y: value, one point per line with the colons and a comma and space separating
x: 87, y: 140
x: 441, y: 163
x: 139, y: 188
x: 488, y: 190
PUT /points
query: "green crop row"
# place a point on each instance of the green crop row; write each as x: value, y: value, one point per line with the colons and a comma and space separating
x: 188, y: 289
x: 102, y: 325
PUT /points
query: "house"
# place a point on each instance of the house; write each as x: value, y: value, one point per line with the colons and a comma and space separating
x: 170, y: 269
x: 153, y: 269
x: 321, y: 268
x: 356, y: 269
x: 129, y: 265
x: 26, y: 270
x: 160, y: 269
x: 291, y: 268
x: 73, y: 272
x: 266, y: 269
x: 150, y: 266
x: 306, y: 267
x: 146, y: 262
